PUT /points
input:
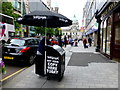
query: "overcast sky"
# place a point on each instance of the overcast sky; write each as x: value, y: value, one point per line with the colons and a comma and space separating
x: 69, y: 8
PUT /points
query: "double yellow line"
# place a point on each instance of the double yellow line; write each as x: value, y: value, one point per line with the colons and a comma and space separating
x: 13, y: 74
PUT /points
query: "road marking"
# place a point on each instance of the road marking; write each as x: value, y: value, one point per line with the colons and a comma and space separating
x: 13, y: 74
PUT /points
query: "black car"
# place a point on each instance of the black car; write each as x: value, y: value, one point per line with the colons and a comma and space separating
x: 20, y: 50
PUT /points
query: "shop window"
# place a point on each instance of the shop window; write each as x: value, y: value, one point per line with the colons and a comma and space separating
x: 117, y: 33
x: 108, y: 39
x: 104, y: 36
x: 101, y: 36
x: 117, y: 17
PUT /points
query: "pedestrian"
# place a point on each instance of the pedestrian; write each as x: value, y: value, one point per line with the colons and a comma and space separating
x: 40, y: 57
x: 59, y: 41
x: 71, y: 41
x: 85, y: 42
x: 89, y: 41
x: 76, y: 42
x: 65, y: 40
x: 41, y: 47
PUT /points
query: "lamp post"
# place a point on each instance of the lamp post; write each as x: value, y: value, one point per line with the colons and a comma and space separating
x: 98, y: 32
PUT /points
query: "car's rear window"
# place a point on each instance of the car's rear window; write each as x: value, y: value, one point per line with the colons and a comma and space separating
x: 17, y: 42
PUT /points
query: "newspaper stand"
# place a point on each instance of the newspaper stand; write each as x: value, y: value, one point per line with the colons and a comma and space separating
x: 55, y: 62
x: 39, y: 65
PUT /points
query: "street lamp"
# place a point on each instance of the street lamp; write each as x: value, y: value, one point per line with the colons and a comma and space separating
x: 97, y: 16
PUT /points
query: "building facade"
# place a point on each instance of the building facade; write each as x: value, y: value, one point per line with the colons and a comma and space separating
x: 89, y: 22
x: 104, y: 25
x: 73, y: 31
x: 21, y: 7
x: 109, y: 23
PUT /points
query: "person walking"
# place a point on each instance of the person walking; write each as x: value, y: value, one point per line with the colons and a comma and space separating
x: 65, y: 40
x: 71, y: 41
x: 85, y: 42
x: 89, y: 41
x: 59, y: 41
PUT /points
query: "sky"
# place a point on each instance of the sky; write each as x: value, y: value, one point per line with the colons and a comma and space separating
x: 69, y: 8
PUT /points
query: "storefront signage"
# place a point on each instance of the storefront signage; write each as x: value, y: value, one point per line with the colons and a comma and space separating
x: 52, y: 64
x: 108, y: 9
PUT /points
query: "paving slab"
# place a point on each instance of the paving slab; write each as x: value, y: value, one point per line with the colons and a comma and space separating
x: 94, y: 76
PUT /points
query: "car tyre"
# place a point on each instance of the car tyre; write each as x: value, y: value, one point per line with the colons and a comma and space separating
x: 31, y: 60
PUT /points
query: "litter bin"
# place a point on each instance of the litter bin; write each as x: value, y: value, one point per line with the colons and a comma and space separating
x: 55, y: 62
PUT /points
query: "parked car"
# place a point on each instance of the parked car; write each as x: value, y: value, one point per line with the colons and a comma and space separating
x: 20, y: 50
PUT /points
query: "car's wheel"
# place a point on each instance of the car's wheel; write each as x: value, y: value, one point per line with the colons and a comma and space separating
x: 48, y: 77
x: 31, y: 60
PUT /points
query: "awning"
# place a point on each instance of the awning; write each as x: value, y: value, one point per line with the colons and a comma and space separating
x: 89, y: 31
x: 93, y: 29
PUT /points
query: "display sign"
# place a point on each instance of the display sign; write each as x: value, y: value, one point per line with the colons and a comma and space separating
x: 108, y: 9
x: 52, y: 64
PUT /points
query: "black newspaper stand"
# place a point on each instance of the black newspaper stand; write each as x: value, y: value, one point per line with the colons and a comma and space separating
x: 55, y: 62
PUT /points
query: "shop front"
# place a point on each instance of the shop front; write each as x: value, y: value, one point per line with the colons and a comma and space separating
x: 110, y: 31
x: 91, y: 32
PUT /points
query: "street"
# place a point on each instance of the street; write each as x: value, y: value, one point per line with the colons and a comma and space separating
x: 11, y: 68
x: 62, y: 44
x: 94, y: 74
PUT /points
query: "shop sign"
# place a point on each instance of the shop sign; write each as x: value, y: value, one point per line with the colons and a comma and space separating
x: 108, y: 9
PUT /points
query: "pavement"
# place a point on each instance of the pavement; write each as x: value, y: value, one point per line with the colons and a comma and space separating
x: 95, y: 75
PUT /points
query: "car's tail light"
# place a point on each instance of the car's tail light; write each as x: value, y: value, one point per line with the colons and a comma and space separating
x: 24, y: 49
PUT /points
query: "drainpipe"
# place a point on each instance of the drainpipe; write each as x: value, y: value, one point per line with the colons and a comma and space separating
x: 98, y: 32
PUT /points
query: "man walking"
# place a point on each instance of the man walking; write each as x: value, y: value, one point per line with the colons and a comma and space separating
x: 84, y: 42
x: 89, y: 41
x: 65, y: 41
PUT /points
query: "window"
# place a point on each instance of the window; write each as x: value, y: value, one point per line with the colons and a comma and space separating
x: 117, y: 28
x: 17, y: 42
x: 117, y: 33
x: 17, y: 5
x: 35, y: 42
x: 101, y: 36
x: 108, y: 39
x: 7, y: 20
x: 104, y: 36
